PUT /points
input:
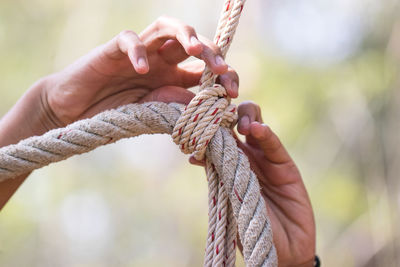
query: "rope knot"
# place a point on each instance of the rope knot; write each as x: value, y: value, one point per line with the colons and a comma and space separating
x: 201, y: 118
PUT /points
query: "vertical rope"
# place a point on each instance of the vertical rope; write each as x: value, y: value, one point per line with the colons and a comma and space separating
x: 234, y: 194
x: 226, y: 29
x: 221, y: 240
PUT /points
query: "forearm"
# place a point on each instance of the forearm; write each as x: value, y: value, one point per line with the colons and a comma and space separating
x: 27, y: 118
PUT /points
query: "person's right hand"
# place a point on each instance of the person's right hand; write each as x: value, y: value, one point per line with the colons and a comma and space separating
x: 132, y: 68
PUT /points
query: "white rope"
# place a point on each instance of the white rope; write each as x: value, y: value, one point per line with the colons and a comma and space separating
x: 227, y: 161
x: 235, y: 201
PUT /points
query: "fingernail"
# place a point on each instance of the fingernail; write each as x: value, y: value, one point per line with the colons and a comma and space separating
x: 219, y: 61
x: 245, y: 121
x: 234, y: 87
x: 142, y: 63
x: 194, y: 40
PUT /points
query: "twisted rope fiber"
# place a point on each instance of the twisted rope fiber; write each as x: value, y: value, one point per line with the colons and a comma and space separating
x: 235, y: 202
x: 228, y: 160
x: 193, y: 132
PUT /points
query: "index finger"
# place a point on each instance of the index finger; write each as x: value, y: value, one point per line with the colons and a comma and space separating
x: 259, y: 135
x: 269, y: 143
x: 166, y: 28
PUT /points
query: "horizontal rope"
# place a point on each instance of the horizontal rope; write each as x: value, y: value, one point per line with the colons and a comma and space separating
x: 228, y: 161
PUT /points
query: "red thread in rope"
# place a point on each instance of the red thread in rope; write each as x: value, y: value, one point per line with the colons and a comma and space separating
x: 237, y: 195
x: 63, y: 133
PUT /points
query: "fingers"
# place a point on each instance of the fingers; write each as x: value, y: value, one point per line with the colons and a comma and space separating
x: 164, y: 29
x: 128, y: 43
x: 172, y: 52
x: 169, y: 94
x: 190, y: 73
x: 194, y: 161
x: 269, y: 143
x: 248, y: 112
x: 211, y: 54
x: 260, y: 135
x: 230, y: 80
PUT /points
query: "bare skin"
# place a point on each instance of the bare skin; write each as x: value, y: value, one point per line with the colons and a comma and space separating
x: 129, y: 68
x: 282, y: 187
x: 137, y: 68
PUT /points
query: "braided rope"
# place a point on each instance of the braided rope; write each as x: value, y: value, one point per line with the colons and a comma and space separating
x: 235, y: 202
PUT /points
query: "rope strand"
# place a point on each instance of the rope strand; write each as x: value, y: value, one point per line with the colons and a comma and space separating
x: 201, y: 128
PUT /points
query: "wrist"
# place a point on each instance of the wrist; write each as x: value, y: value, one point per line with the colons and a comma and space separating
x: 29, y: 116
x: 309, y: 263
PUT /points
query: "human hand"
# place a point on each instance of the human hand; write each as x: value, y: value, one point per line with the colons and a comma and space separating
x: 288, y: 205
x: 127, y: 69
x: 132, y: 68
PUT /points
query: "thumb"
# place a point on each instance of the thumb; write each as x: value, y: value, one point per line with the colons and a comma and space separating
x: 169, y: 94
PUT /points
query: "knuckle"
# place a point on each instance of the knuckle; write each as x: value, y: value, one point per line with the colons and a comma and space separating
x: 211, y: 46
x: 139, y: 46
x: 247, y: 104
x: 161, y: 20
x: 258, y: 108
x: 158, y: 23
x: 233, y: 74
x: 188, y: 29
x: 126, y: 33
x: 215, y: 48
x: 244, y: 107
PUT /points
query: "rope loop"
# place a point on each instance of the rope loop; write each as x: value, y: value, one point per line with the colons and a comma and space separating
x: 208, y: 110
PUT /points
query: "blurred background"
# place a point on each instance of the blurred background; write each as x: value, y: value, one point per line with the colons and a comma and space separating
x: 326, y: 74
